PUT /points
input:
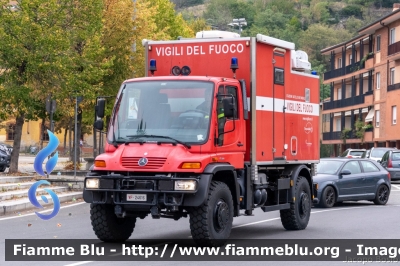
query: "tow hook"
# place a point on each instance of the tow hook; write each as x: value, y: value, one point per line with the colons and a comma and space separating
x: 118, y: 211
x: 155, y: 212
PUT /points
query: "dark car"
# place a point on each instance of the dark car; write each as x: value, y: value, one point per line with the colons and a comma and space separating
x: 391, y: 162
x: 343, y: 179
x: 377, y: 153
x: 4, y: 160
x: 352, y: 153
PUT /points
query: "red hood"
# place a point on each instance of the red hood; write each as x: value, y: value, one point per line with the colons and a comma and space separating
x: 160, y: 158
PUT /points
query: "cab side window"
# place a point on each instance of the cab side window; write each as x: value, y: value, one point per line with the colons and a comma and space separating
x: 231, y: 90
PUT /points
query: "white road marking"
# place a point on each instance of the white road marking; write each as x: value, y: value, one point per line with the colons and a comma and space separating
x: 396, y: 186
x: 78, y: 263
x: 24, y: 215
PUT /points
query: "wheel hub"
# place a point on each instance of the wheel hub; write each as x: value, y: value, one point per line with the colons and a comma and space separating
x: 221, y: 215
x: 304, y: 204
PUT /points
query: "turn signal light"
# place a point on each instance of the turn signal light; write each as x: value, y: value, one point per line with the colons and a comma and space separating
x: 191, y: 166
x: 100, y: 163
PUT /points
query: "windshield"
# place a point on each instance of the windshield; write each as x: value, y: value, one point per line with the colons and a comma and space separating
x: 378, y: 153
x: 328, y: 167
x: 178, y: 110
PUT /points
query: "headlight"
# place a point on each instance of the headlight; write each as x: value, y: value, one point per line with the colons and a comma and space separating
x: 185, y: 185
x: 92, y: 183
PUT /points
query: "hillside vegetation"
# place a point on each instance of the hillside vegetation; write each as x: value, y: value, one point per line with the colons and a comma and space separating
x: 311, y: 24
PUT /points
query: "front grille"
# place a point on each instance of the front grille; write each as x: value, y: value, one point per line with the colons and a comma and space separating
x: 133, y: 162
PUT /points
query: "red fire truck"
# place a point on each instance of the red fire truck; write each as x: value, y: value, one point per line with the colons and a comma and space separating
x: 221, y: 125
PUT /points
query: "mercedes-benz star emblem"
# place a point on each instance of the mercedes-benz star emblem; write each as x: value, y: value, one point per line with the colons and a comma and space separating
x: 142, y: 161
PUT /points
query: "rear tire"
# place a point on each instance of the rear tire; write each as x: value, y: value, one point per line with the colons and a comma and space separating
x: 297, y: 217
x: 328, y: 197
x: 382, y: 195
x: 107, y: 226
x: 211, y: 223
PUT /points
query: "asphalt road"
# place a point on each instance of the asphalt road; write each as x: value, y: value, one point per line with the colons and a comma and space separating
x: 358, y: 220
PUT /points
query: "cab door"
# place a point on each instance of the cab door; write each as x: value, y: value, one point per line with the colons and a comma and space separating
x: 278, y: 95
x: 230, y: 132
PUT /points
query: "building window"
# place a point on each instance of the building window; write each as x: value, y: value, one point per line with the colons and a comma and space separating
x: 339, y: 63
x: 394, y: 115
x: 378, y: 81
x: 350, y: 58
x: 339, y: 93
x: 378, y: 43
x: 392, y: 36
x: 10, y: 129
x: 377, y: 118
x: 392, y: 72
x: 338, y: 124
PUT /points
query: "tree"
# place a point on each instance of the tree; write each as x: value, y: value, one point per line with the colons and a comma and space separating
x: 33, y: 52
x: 318, y: 37
x: 49, y: 47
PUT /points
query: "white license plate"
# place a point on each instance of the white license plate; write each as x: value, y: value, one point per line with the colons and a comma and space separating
x: 136, y: 197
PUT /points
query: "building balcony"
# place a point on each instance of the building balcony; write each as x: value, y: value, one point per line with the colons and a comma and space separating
x: 346, y: 102
x: 393, y: 87
x: 394, y: 48
x: 350, y: 68
x: 337, y: 135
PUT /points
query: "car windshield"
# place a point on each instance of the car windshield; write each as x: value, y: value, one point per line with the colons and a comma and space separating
x: 171, y: 111
x: 356, y: 153
x: 328, y: 167
x: 378, y: 153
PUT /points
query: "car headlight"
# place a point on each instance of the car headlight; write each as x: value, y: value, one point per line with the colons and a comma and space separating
x: 185, y: 185
x: 92, y: 183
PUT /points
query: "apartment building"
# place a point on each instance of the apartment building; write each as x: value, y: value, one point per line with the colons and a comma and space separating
x: 364, y: 81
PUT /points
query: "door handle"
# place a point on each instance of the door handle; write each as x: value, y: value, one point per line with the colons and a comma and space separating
x: 239, y: 144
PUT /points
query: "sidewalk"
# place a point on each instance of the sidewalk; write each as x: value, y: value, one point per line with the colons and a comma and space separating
x: 14, y: 191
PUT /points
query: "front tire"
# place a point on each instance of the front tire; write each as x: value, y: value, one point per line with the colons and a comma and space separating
x: 107, y: 226
x: 211, y: 223
x: 382, y: 195
x: 297, y: 217
x: 328, y: 197
x: 2, y: 168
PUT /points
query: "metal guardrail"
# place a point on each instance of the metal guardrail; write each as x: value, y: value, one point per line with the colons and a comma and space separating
x: 336, y: 135
x: 394, y: 48
x: 393, y: 87
x: 344, y: 102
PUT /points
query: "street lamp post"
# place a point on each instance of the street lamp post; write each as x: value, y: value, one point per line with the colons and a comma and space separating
x: 238, y: 22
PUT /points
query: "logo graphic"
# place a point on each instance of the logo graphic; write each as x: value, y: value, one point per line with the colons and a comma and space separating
x: 143, y: 161
x: 34, y: 201
x: 50, y: 164
x: 44, y: 153
x: 308, y: 128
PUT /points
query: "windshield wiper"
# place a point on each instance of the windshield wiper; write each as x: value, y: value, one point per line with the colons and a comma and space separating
x: 163, y: 137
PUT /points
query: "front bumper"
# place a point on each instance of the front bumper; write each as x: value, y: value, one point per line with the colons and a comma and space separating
x: 139, y: 191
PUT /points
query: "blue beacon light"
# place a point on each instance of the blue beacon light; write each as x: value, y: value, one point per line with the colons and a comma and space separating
x: 234, y: 66
x: 153, y: 66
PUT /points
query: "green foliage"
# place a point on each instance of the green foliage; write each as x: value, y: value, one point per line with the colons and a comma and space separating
x: 359, y: 129
x: 325, y: 150
x: 187, y: 3
x: 345, y: 134
x: 351, y: 10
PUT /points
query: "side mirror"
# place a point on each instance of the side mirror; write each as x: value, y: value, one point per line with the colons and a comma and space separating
x: 100, y: 107
x: 99, y: 124
x: 379, y: 161
x: 345, y: 172
x: 229, y: 107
